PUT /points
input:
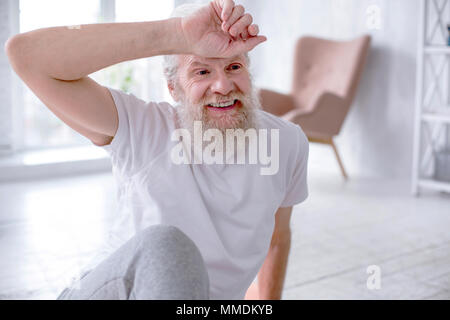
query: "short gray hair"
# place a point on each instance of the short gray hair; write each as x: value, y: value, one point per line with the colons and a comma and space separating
x: 170, y: 62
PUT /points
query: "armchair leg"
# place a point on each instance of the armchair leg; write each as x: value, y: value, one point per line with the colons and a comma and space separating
x: 338, y: 159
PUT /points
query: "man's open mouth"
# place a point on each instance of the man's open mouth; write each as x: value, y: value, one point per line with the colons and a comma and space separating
x: 224, y: 105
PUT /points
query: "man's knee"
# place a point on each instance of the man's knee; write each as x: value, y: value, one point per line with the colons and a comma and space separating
x: 166, y: 242
x: 172, y: 263
x: 161, y: 236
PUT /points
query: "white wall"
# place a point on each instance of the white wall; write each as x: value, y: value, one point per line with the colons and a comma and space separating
x: 376, y: 139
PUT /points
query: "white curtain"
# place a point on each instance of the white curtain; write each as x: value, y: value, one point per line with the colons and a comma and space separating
x: 8, y: 26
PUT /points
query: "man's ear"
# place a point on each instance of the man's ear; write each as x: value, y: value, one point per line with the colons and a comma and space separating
x: 172, y: 92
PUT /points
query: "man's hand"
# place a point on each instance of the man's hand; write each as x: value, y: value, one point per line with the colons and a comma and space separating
x: 220, y: 30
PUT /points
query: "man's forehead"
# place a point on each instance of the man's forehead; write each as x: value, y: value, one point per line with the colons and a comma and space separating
x: 191, y: 60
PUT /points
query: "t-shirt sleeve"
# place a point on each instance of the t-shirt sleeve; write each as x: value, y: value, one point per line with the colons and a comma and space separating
x: 141, y: 133
x: 297, y: 190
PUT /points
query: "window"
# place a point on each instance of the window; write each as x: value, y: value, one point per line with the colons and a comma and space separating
x: 143, y: 77
x: 42, y: 129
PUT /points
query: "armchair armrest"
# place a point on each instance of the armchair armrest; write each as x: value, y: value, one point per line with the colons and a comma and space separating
x: 276, y: 103
x: 326, y: 116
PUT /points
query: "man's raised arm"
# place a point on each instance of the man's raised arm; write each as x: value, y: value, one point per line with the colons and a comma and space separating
x: 71, y: 53
x: 55, y: 62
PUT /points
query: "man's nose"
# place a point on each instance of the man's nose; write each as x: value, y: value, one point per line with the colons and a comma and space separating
x: 222, y: 84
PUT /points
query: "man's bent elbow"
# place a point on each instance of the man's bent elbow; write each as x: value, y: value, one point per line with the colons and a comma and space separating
x: 12, y: 46
x: 16, y: 51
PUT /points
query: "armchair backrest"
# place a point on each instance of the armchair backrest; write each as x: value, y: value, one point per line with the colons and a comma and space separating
x: 324, y: 65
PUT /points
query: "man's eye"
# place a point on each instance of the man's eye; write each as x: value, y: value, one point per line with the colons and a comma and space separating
x: 235, y: 67
x: 202, y: 72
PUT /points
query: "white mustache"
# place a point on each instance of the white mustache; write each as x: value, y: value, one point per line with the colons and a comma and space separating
x: 189, y: 111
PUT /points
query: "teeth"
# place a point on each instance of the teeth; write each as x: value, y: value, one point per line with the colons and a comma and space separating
x: 222, y: 105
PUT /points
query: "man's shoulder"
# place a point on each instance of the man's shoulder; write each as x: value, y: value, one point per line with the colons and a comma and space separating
x: 130, y: 100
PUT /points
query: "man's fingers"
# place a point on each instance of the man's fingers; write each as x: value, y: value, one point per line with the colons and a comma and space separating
x: 241, y: 46
x: 250, y: 43
x: 253, y: 30
x: 238, y: 11
x: 227, y: 9
x: 244, y: 35
x: 238, y: 24
x: 216, y: 14
x: 241, y: 25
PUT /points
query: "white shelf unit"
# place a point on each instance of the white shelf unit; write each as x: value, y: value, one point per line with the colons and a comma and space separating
x: 432, y: 118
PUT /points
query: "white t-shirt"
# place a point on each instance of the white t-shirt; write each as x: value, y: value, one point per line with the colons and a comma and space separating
x: 228, y: 210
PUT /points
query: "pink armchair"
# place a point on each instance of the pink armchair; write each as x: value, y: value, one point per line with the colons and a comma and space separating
x: 326, y: 76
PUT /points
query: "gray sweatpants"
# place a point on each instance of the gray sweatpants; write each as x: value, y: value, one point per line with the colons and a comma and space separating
x: 161, y: 262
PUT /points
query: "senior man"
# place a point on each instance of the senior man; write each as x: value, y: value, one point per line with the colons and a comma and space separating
x: 185, y: 229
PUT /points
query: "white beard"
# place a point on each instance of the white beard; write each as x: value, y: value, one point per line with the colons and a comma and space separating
x: 245, y: 117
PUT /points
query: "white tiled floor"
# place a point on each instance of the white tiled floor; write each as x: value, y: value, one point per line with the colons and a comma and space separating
x: 50, y: 228
x: 343, y: 229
